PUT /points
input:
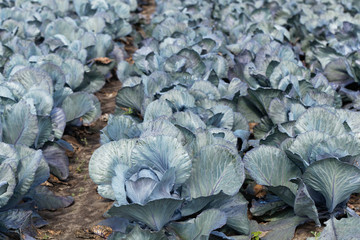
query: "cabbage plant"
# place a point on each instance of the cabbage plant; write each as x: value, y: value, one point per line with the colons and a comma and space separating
x: 36, y: 110
x: 22, y: 170
x: 53, y: 56
x: 50, y: 69
x: 155, y: 182
x: 207, y: 70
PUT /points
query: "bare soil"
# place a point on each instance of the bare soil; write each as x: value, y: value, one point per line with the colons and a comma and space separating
x: 76, y: 221
x: 79, y: 221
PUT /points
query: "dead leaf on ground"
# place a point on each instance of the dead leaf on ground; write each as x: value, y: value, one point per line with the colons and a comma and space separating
x: 102, y: 231
x: 47, y: 234
x: 54, y: 179
x: 53, y: 232
x: 47, y: 184
x: 130, y: 60
x: 84, y: 234
x: 104, y: 117
x: 103, y: 60
x: 260, y: 191
x: 252, y: 125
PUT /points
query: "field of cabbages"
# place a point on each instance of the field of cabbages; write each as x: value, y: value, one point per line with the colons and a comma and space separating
x: 180, y: 119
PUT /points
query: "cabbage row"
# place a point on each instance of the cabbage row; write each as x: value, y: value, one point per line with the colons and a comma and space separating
x: 51, y: 62
x: 179, y: 158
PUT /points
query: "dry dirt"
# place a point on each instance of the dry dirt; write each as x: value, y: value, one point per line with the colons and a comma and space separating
x: 79, y: 221
x: 74, y: 222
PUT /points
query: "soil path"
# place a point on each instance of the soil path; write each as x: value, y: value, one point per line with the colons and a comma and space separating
x: 73, y: 222
x: 78, y: 220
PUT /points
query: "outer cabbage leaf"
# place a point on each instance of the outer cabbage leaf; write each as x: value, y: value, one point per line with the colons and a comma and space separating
x: 94, y: 24
x: 8, y: 151
x: 204, y: 89
x: 14, y: 219
x: 32, y: 170
x: 44, y: 133
x: 235, y: 207
x: 94, y: 113
x: 7, y: 183
x: 14, y: 63
x: 216, y: 168
x: 74, y: 72
x: 319, y: 119
x: 45, y: 199
x: 261, y: 98
x: 109, y: 164
x: 351, y: 118
x: 20, y: 124
x: 58, y: 162
x: 55, y: 73
x: 304, y: 205
x: 227, y: 121
x: 264, y: 163
x: 188, y: 120
x: 337, y: 147
x: 138, y: 233
x: 161, y: 127
x: 345, y: 229
x: 42, y: 100
x: 282, y: 229
x: 31, y: 77
x: 201, y: 226
x: 196, y: 205
x: 155, y: 214
x: 303, y: 146
x: 58, y: 120
x: 157, y: 109
x: 95, y: 77
x: 335, y: 180
x: 267, y: 205
x: 119, y: 127
x: 83, y: 105
x: 131, y: 97
x: 194, y: 64
x: 154, y: 83
x: 277, y: 111
x: 180, y: 100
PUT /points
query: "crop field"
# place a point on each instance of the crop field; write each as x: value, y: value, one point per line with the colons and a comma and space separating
x: 180, y: 119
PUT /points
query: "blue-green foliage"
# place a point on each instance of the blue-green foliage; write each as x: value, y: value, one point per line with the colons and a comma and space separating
x: 22, y: 170
x: 51, y: 62
x: 207, y: 70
